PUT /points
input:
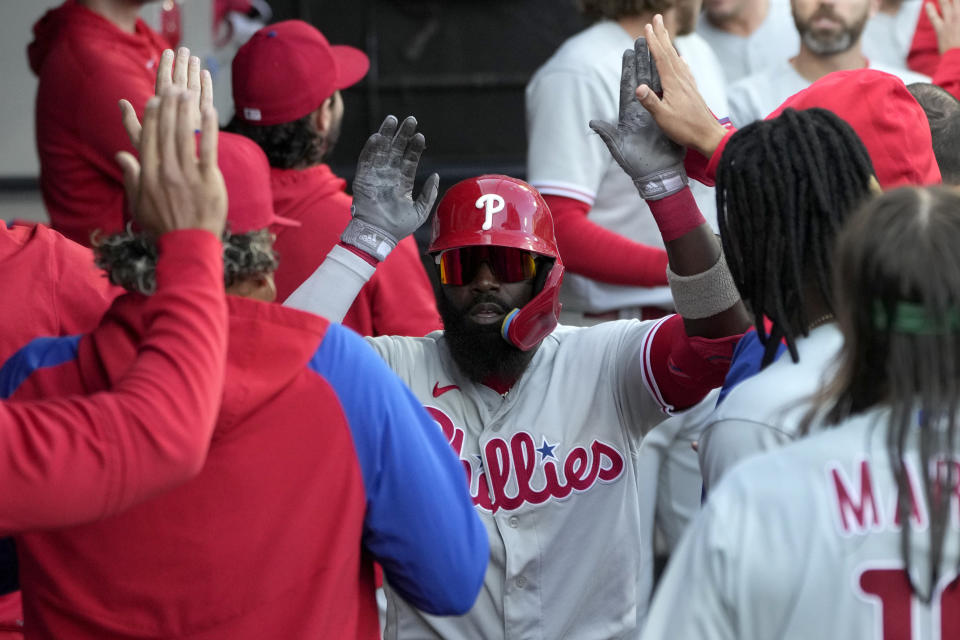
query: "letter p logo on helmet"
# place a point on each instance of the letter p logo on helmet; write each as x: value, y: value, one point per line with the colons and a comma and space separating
x: 493, y: 203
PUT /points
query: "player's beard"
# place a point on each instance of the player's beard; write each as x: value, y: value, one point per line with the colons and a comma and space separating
x: 479, y: 349
x: 830, y: 42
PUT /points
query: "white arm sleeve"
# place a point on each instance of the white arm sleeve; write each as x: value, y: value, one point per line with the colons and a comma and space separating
x: 726, y: 442
x: 332, y: 288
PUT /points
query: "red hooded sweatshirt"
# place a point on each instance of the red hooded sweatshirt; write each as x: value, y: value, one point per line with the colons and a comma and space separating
x: 398, y: 299
x: 322, y: 461
x: 73, y: 460
x: 86, y: 64
x: 51, y: 288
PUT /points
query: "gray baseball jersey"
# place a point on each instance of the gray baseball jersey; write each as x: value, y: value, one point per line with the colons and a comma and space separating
x: 758, y: 95
x: 764, y: 412
x: 552, y: 470
x: 579, y: 83
x: 804, y: 542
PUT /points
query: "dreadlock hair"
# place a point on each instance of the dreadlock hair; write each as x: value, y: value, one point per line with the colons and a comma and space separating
x: 784, y: 188
x: 290, y: 145
x: 616, y: 9
x: 943, y: 115
x: 898, y: 307
x: 130, y: 258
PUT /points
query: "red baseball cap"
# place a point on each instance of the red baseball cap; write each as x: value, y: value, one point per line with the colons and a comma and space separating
x: 246, y: 173
x: 287, y: 69
x: 889, y: 121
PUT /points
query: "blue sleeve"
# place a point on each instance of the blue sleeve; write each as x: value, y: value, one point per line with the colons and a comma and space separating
x: 747, y: 358
x: 36, y: 354
x: 420, y: 523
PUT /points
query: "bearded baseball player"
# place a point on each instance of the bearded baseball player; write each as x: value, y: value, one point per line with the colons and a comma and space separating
x: 546, y: 419
x: 852, y: 532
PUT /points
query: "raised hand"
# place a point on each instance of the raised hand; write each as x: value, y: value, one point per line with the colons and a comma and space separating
x: 384, y: 211
x: 681, y: 111
x: 179, y: 71
x: 643, y: 151
x: 173, y: 187
x: 946, y: 23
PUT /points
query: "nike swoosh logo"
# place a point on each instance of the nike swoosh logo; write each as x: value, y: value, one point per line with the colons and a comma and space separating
x: 439, y: 391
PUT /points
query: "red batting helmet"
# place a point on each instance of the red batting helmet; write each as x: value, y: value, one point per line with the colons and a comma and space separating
x: 502, y: 211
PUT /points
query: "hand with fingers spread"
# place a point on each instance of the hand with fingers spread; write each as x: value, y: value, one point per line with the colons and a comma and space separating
x: 173, y: 187
x: 946, y: 23
x: 681, y: 111
x: 179, y: 71
x: 650, y: 158
x: 384, y: 211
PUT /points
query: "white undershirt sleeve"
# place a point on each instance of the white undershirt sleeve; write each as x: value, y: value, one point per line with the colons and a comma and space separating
x: 332, y: 288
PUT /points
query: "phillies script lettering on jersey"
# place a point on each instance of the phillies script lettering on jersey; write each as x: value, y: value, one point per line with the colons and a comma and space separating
x: 860, y: 510
x: 518, y: 458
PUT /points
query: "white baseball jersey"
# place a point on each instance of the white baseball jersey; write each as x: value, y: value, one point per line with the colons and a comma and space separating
x: 886, y: 38
x: 552, y: 466
x: 759, y: 95
x: 764, y: 411
x: 804, y: 543
x: 579, y: 83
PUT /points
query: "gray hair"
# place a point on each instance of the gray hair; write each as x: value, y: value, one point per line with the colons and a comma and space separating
x: 130, y: 258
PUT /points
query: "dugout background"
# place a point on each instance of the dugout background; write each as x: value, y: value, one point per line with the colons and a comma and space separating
x: 459, y: 66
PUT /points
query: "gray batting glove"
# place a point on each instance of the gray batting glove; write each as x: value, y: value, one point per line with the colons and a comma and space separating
x: 384, y: 211
x: 650, y: 158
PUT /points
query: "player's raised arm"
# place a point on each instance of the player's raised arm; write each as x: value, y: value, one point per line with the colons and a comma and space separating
x: 384, y: 212
x: 67, y: 461
x: 703, y: 290
x: 176, y: 72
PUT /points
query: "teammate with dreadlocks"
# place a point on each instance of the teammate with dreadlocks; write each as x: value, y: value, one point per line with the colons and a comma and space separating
x: 871, y: 507
x: 786, y: 185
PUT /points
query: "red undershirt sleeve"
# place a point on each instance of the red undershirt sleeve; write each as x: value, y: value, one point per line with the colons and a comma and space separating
x: 924, y: 54
x: 72, y: 460
x: 592, y: 251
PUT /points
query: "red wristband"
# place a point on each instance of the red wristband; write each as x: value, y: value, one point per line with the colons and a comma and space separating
x: 363, y: 254
x: 676, y: 215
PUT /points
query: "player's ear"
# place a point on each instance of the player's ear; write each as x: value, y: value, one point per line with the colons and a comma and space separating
x: 323, y: 116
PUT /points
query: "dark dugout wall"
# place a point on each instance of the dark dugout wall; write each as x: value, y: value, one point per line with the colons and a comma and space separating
x: 459, y: 66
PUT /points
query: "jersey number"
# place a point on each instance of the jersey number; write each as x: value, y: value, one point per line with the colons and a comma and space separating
x: 892, y: 587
